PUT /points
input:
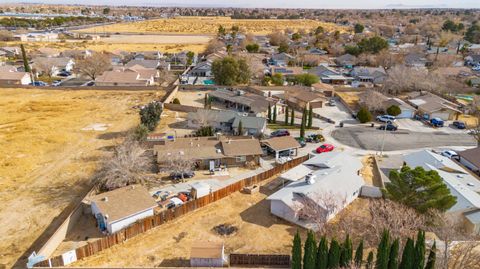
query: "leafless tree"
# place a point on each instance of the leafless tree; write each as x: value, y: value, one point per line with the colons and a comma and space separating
x: 178, y: 164
x: 213, y: 46
x: 465, y: 255
x: 94, y: 65
x: 205, y: 117
x: 127, y: 166
x: 401, y: 79
x: 45, y: 66
x: 164, y: 76
x: 277, y: 38
x: 372, y: 100
x: 319, y: 208
x: 6, y: 35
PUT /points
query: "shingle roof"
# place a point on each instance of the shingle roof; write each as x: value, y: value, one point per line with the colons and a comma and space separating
x: 118, y: 77
x: 471, y: 155
x: 281, y: 143
x: 241, y: 147
x: 144, y: 63
x: 7, y: 75
x: 123, y: 202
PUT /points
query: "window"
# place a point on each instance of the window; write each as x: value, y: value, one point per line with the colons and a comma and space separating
x: 241, y: 159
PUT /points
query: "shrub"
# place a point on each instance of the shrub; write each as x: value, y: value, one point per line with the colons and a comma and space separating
x: 150, y: 115
x: 394, y: 110
x: 364, y: 115
x: 140, y: 133
x: 176, y: 101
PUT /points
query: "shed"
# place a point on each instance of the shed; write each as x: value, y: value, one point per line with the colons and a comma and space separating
x: 200, y: 189
x: 207, y: 254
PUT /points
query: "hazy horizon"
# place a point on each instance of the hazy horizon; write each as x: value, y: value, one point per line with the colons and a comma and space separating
x: 344, y: 4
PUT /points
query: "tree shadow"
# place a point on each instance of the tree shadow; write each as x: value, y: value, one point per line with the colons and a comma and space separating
x: 179, y: 125
x: 178, y: 262
x: 112, y: 135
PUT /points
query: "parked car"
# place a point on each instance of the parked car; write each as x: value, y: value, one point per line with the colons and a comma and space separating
x: 325, y: 148
x: 162, y: 195
x: 386, y: 118
x: 437, y: 122
x: 476, y: 68
x: 174, y: 202
x: 301, y: 141
x: 279, y: 133
x: 332, y: 102
x: 388, y: 127
x: 315, y: 138
x: 56, y: 83
x: 39, y: 83
x: 178, y: 176
x: 89, y: 84
x: 64, y: 74
x: 449, y: 154
x: 459, y: 124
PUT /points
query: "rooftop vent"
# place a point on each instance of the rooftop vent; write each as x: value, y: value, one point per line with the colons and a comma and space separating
x: 310, y: 179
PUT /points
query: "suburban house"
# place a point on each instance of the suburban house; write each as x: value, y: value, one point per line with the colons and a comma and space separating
x: 202, y: 69
x: 286, y: 71
x: 407, y: 111
x: 76, y: 54
x: 281, y: 59
x: 346, y: 60
x: 417, y: 60
x: 461, y: 183
x: 117, y: 209
x: 317, y: 51
x: 57, y: 64
x: 284, y: 146
x: 304, y: 99
x: 375, y: 75
x: 207, y: 254
x: 9, y: 76
x: 211, y: 152
x: 124, y: 78
x: 226, y: 121
x: 329, y: 75
x: 326, y: 179
x: 147, y: 64
x: 431, y: 106
x: 242, y: 101
x: 147, y: 55
x: 470, y: 158
x: 48, y: 52
x: 472, y: 59
x: 11, y: 51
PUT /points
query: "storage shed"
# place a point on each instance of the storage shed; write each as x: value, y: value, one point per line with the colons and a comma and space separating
x: 200, y: 189
x: 207, y: 254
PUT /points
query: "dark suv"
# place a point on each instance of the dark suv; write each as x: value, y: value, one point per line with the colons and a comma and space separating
x: 178, y: 176
x: 459, y: 124
x: 281, y: 132
x: 389, y: 127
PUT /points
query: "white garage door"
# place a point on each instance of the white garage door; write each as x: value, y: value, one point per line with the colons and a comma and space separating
x: 406, y: 114
x: 441, y: 115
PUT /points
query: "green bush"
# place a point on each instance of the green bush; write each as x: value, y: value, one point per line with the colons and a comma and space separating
x: 364, y: 115
x: 176, y: 101
x: 394, y: 110
x: 150, y: 115
x: 140, y: 133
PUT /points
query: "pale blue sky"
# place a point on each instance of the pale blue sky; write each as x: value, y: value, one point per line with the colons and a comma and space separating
x: 364, y: 4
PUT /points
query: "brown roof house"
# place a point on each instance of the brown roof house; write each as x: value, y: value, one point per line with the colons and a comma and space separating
x: 211, y: 152
x: 284, y: 146
x: 304, y: 98
x: 431, y: 106
x: 470, y: 158
x: 117, y: 209
x: 125, y: 78
x: 207, y: 254
x: 9, y: 76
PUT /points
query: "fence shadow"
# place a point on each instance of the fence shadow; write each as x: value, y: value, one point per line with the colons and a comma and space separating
x: 179, y: 262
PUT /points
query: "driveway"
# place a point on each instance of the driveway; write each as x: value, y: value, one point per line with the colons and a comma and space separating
x: 418, y: 126
x: 337, y: 113
x: 368, y: 138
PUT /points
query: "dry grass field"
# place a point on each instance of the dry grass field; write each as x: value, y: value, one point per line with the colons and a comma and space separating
x: 209, y: 25
x: 46, y: 160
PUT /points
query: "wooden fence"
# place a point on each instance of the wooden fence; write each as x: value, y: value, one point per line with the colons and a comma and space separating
x: 146, y: 224
x: 259, y: 260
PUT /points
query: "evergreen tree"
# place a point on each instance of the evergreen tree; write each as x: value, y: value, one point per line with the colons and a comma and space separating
x: 275, y: 114
x: 297, y: 252
x: 407, y: 255
x: 292, y: 117
x: 359, y: 255
x: 419, y: 257
x: 432, y: 257
x: 347, y: 252
x: 286, y: 115
x: 383, y: 251
x: 26, y: 66
x: 369, y: 264
x: 205, y: 101
x: 310, y: 252
x: 302, y: 125
x: 322, y: 254
x: 310, y: 117
x: 394, y: 250
x: 269, y: 114
x: 240, y: 128
x: 333, y: 255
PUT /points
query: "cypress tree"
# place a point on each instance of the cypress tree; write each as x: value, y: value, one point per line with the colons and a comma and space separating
x: 407, y: 255
x: 394, y: 250
x: 292, y: 117
x: 383, y: 251
x: 419, y: 257
x: 26, y: 66
x: 310, y: 252
x: 432, y: 256
x: 310, y: 117
x: 286, y: 115
x: 240, y: 128
x: 297, y: 252
x: 369, y: 264
x: 322, y: 254
x: 302, y: 125
x: 269, y: 114
x: 359, y: 255
x: 205, y: 101
x: 333, y: 255
x: 347, y: 252
x: 275, y: 114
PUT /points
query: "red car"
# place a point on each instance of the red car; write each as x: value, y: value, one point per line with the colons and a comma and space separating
x: 325, y: 148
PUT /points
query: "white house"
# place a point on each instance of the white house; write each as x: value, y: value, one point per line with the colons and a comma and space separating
x: 407, y: 111
x: 332, y: 175
x: 117, y: 209
x: 462, y: 184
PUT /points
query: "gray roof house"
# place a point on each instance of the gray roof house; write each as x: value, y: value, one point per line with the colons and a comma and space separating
x: 407, y: 111
x: 470, y: 158
x: 431, y: 106
x: 332, y: 176
x: 281, y: 59
x: 346, y: 60
x: 243, y: 102
x: 462, y: 184
x: 375, y: 75
x: 329, y: 75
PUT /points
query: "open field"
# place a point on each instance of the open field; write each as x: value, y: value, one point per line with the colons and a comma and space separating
x: 209, y: 25
x: 46, y: 160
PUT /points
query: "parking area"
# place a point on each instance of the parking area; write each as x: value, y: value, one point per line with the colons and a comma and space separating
x: 337, y: 113
x: 418, y: 126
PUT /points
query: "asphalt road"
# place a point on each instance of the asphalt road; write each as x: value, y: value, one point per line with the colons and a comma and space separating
x: 368, y: 138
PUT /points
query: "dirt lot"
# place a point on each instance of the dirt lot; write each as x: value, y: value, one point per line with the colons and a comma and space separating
x: 46, y: 160
x: 351, y: 98
x: 209, y: 25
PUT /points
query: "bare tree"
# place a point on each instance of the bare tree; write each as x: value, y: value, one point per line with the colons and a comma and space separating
x: 178, y: 164
x: 277, y: 38
x: 44, y: 66
x: 402, y: 79
x: 94, y: 65
x: 464, y: 255
x: 213, y: 46
x: 372, y: 100
x: 126, y: 167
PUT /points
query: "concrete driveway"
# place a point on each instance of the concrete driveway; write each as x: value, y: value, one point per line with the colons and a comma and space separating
x: 418, y: 126
x: 368, y: 138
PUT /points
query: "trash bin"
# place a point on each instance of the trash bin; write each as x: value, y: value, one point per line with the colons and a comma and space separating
x: 341, y: 124
x: 372, y: 125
